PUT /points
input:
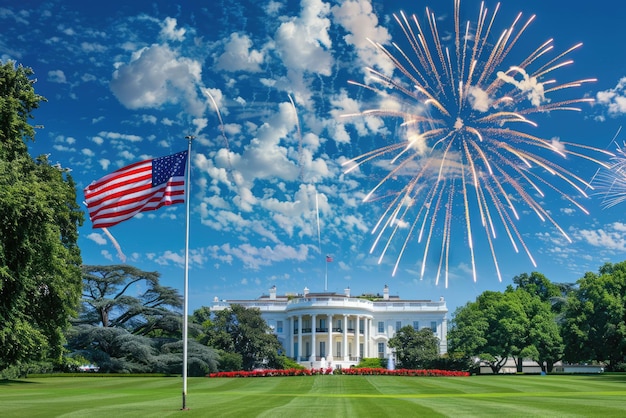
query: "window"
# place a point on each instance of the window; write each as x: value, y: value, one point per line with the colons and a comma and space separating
x: 433, y: 326
x: 361, y: 326
x: 295, y: 325
x: 322, y: 325
x: 398, y: 325
x: 381, y: 327
x: 416, y: 325
x: 381, y: 350
x: 361, y: 350
x: 338, y: 349
x: 307, y: 346
x: 323, y: 348
x: 279, y: 327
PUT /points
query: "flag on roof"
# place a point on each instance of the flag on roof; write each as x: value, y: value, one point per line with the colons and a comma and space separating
x: 139, y: 187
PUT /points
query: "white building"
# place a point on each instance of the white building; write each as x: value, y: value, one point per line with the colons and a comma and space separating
x: 330, y: 329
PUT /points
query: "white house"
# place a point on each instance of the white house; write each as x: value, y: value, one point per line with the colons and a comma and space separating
x: 337, y: 330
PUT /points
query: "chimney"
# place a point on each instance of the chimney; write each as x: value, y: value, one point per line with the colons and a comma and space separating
x: 347, y: 291
x: 306, y: 291
x: 273, y: 293
x: 386, y: 293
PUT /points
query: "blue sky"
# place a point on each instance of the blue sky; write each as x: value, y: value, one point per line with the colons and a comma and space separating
x: 127, y: 81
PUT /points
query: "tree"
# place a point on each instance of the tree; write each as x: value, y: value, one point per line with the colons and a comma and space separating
x: 539, y: 285
x: 125, y: 331
x: 108, y: 302
x: 490, y: 329
x: 542, y: 341
x: 594, y: 325
x: 415, y: 349
x: 242, y: 331
x: 40, y: 278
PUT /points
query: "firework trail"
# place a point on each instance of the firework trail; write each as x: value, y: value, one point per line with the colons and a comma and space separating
x: 611, y: 183
x: 462, y: 152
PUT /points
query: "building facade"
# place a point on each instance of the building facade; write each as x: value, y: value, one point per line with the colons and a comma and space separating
x: 335, y: 330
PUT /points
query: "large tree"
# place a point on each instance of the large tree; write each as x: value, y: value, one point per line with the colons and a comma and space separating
x: 518, y: 323
x: 125, y: 330
x: 594, y: 327
x: 242, y: 331
x: 490, y: 329
x: 110, y: 299
x: 40, y: 279
x: 415, y: 349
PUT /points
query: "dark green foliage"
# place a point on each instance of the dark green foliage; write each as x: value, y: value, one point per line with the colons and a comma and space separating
x: 414, y: 349
x: 229, y: 362
x: 39, y: 258
x: 124, y: 333
x: 242, y: 331
x: 518, y: 323
x: 373, y: 363
x: 594, y: 324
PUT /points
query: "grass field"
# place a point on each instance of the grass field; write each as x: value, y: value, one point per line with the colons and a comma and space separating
x: 318, y: 396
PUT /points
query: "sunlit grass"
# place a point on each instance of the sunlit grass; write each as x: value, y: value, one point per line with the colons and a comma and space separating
x: 317, y: 396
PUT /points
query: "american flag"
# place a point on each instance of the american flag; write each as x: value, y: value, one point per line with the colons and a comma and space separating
x: 329, y: 259
x: 139, y: 187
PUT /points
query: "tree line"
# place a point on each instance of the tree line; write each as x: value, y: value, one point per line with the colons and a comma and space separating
x: 582, y: 322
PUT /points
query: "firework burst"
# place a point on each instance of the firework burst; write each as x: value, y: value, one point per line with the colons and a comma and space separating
x: 611, y: 183
x: 463, y: 152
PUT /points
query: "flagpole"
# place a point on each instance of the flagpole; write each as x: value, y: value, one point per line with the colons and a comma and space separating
x: 189, y: 138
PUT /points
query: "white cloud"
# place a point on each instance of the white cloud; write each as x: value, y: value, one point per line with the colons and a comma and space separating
x: 358, y: 18
x: 304, y: 46
x: 255, y: 257
x: 614, y: 99
x: 238, y: 56
x: 104, y: 163
x: 57, y: 76
x: 479, y: 99
x: 97, y: 238
x: 611, y: 237
x: 117, y: 135
x: 169, y: 31
x: 156, y: 76
x: 528, y: 84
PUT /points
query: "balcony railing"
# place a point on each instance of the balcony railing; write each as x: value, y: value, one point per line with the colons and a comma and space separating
x: 308, y: 330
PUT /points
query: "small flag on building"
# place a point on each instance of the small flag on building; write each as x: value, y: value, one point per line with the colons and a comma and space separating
x: 139, y: 187
x: 329, y: 259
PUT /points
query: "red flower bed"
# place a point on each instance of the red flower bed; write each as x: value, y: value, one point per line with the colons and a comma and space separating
x: 351, y: 371
x: 402, y: 372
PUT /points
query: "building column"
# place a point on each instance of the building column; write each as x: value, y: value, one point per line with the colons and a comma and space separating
x: 329, y: 355
x: 366, y: 334
x: 357, y: 338
x: 299, y: 353
x: 344, y: 346
x: 291, y: 337
x: 313, y: 325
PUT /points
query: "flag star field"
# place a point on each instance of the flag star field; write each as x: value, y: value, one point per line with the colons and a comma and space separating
x: 440, y: 148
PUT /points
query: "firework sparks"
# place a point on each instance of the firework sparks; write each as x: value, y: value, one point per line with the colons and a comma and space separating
x: 611, y: 183
x: 463, y: 147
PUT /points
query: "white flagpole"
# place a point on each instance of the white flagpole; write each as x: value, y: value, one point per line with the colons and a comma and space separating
x: 186, y: 291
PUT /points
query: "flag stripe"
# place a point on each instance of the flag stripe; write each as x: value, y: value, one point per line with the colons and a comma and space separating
x: 120, y: 207
x: 141, y: 186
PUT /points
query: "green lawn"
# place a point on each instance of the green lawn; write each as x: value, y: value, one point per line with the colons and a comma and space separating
x: 318, y: 396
